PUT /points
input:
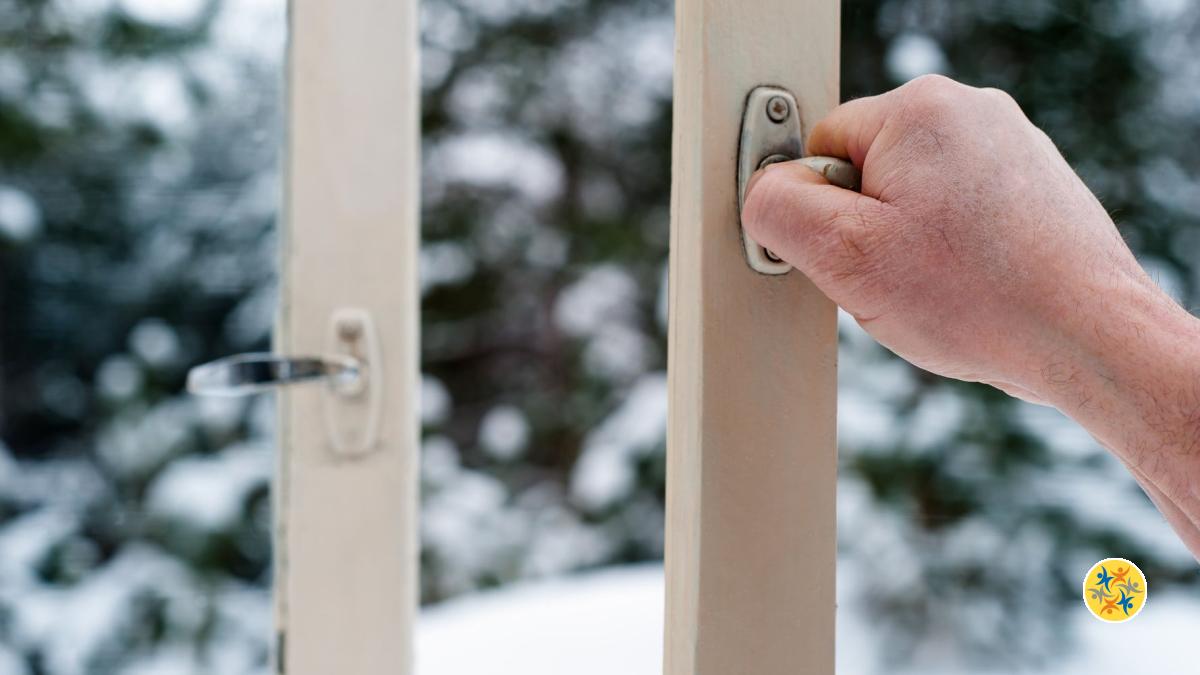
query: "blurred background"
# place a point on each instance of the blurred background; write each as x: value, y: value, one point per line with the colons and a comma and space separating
x: 139, y: 192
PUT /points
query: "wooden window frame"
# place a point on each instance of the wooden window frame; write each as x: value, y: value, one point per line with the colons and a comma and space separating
x: 346, y: 551
x: 752, y: 437
x: 751, y: 532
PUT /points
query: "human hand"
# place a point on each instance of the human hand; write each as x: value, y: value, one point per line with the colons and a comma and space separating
x: 974, y: 251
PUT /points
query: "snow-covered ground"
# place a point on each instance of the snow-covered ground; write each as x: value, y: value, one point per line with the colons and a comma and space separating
x: 609, y: 622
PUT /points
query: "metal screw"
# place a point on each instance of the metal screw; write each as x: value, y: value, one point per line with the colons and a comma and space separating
x: 349, y: 330
x: 778, y: 109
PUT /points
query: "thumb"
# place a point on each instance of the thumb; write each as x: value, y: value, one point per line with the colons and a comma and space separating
x: 824, y: 231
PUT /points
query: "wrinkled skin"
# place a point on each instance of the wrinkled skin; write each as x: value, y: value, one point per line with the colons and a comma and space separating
x: 975, y: 252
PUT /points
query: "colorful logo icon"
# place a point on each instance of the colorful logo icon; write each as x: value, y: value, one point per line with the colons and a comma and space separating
x: 1115, y: 590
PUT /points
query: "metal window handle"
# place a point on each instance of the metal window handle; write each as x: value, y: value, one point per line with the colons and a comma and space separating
x: 352, y: 404
x: 771, y: 133
x: 245, y: 374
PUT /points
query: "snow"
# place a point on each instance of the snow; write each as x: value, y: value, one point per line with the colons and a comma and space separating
x: 503, y: 432
x: 254, y: 317
x: 616, y: 352
x: 604, y: 294
x: 210, y: 491
x: 600, y: 623
x: 439, y: 460
x: 1109, y: 499
x: 871, y: 387
x: 474, y: 530
x: 255, y: 28
x: 914, y: 54
x: 155, y: 342
x: 605, y: 470
x: 11, y: 662
x: 611, y: 621
x: 14, y: 75
x: 20, y: 216
x: 119, y: 377
x: 465, y: 524
x: 615, y: 78
x: 77, y: 623
x: 939, y: 415
x: 143, y: 91
x: 166, y: 12
x: 1171, y: 187
x: 219, y: 414
x: 435, y: 400
x: 495, y: 160
x: 141, y: 438
x: 25, y: 540
x: 444, y: 263
x: 80, y: 627
x: 500, y: 11
x: 601, y: 307
x: 1067, y: 438
x: 1164, y: 10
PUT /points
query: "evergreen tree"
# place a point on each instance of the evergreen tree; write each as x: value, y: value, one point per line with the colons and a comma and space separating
x: 138, y: 195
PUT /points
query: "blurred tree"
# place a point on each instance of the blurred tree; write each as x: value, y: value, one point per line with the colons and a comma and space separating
x: 967, y: 514
x: 137, y: 202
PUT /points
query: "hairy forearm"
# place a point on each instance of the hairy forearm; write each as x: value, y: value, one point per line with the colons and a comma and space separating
x: 1133, y: 381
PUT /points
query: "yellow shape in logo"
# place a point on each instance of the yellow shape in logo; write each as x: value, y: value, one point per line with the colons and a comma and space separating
x: 1115, y: 590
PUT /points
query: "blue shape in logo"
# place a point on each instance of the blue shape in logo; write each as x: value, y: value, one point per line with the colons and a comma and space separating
x: 1103, y: 578
x: 1125, y: 603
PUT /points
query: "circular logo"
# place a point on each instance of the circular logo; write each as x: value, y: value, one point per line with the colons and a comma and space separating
x: 1115, y: 590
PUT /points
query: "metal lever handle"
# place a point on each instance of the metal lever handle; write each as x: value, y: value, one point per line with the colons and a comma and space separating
x: 245, y: 374
x: 771, y: 133
x: 836, y: 170
x: 352, y: 402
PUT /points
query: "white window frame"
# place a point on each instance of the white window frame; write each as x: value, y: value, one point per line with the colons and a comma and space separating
x: 751, y: 531
x: 346, y: 552
x: 752, y: 439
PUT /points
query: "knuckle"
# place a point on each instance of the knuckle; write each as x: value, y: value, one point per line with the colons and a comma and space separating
x: 998, y: 95
x: 1001, y: 98
x: 931, y: 98
x: 932, y: 81
x: 933, y: 87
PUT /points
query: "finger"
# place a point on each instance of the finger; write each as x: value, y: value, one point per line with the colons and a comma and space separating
x: 850, y: 129
x: 821, y: 229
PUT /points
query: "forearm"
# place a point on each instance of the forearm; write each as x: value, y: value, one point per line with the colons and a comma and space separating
x: 1133, y: 381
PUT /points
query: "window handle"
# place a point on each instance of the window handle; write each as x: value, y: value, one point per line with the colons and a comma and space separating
x: 351, y: 367
x: 771, y: 133
x: 245, y: 374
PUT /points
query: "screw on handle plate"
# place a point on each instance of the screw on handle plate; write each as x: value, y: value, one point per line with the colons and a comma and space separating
x: 771, y: 133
